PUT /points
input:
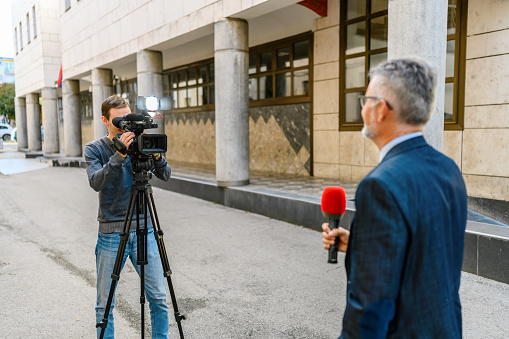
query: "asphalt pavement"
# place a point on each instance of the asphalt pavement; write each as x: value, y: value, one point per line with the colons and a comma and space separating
x: 235, y: 274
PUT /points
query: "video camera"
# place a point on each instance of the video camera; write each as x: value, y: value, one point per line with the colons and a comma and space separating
x: 143, y: 144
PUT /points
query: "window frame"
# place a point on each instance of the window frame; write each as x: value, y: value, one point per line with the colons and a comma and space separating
x: 458, y: 103
x: 28, y: 29
x: 127, y: 95
x: 16, y: 39
x: 86, y: 105
x: 366, y: 18
x: 34, y: 22
x: 209, y: 83
x: 20, y: 37
x: 457, y: 122
x: 274, y: 47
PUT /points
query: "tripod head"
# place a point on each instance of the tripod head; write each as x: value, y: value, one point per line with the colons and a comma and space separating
x: 142, y: 164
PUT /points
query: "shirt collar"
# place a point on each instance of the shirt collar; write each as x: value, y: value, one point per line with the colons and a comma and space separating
x: 396, y: 141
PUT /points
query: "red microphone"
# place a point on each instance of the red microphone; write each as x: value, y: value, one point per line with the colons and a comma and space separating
x: 333, y: 208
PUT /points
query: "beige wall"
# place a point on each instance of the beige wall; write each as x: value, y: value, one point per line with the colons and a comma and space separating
x: 326, y: 162
x: 485, y: 140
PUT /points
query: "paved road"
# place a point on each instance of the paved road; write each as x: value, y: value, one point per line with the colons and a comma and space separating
x: 236, y: 274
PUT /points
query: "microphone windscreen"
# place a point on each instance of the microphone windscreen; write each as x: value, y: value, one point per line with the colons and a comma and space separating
x: 116, y: 121
x: 134, y: 117
x: 333, y: 202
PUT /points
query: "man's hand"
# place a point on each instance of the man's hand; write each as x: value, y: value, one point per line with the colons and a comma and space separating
x: 156, y: 156
x: 127, y: 139
x: 329, y: 237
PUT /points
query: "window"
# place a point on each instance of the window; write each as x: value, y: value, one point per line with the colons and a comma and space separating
x: 28, y: 29
x: 191, y: 85
x: 67, y: 5
x: 364, y: 25
x: 128, y: 90
x: 20, y: 37
x: 455, y: 65
x: 60, y: 110
x: 279, y: 72
x: 86, y: 105
x: 16, y: 39
x: 364, y: 29
x: 34, y: 21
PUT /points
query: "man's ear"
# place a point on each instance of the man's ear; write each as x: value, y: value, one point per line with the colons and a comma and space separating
x: 104, y: 120
x: 383, y: 112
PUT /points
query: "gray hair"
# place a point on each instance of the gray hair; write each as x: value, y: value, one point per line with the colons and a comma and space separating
x: 410, y: 85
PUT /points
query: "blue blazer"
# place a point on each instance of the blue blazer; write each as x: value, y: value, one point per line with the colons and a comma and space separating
x: 405, y: 250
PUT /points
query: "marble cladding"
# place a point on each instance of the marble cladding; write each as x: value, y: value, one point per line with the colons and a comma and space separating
x: 486, y: 152
x: 486, y: 80
x: 452, y: 145
x: 191, y: 138
x: 487, y: 16
x: 489, y: 116
x: 279, y: 138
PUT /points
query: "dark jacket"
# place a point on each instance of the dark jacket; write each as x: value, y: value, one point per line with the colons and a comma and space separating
x: 405, y: 250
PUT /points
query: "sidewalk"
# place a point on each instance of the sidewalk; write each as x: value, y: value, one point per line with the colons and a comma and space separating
x: 236, y: 274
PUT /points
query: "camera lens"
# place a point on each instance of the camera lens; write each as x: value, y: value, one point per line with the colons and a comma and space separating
x: 148, y: 144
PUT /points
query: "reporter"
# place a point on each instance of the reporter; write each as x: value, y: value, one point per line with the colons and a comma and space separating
x: 404, y: 251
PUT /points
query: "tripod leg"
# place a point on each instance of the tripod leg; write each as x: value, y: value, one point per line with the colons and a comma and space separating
x: 141, y: 234
x: 158, y: 234
x: 118, y: 264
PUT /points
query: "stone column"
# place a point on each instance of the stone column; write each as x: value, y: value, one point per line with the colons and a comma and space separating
x: 149, y: 65
x: 419, y: 28
x: 231, y: 60
x: 102, y: 87
x: 50, y: 120
x: 72, y: 117
x: 33, y: 122
x: 21, y: 122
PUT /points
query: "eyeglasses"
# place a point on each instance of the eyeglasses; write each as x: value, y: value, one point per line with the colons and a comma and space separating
x: 363, y: 98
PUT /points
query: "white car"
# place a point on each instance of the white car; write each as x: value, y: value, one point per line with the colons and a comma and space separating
x: 5, y: 132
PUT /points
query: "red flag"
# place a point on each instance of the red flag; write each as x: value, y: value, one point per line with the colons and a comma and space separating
x: 59, y: 81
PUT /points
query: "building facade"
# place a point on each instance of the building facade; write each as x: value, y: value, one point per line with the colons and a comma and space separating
x: 267, y: 85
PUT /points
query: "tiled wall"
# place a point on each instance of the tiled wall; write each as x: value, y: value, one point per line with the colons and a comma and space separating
x: 279, y: 139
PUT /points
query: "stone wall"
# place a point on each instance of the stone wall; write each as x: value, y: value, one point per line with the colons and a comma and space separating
x: 325, y: 94
x: 485, y: 139
x: 279, y: 139
x: 486, y: 135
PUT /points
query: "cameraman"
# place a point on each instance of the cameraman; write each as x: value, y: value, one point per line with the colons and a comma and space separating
x: 111, y: 174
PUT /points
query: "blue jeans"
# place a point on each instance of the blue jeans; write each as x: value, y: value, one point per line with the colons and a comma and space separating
x: 155, y: 288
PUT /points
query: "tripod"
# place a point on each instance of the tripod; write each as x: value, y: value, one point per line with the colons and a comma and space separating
x: 141, y: 199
